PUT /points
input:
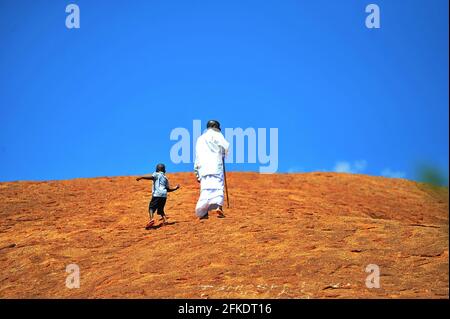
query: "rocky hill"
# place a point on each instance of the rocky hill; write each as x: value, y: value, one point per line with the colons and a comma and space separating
x: 285, y: 236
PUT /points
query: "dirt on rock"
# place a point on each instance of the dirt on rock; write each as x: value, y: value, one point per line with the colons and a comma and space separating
x: 285, y: 236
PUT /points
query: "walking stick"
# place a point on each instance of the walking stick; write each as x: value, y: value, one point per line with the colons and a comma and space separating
x: 225, y: 180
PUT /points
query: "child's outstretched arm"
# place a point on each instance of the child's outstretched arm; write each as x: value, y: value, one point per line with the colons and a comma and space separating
x: 145, y: 177
x: 173, y: 189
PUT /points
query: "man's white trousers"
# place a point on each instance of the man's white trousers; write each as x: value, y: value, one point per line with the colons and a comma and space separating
x: 211, y: 194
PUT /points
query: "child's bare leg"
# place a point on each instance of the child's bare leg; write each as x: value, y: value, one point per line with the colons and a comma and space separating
x: 162, y: 213
x: 162, y: 219
x: 151, y: 215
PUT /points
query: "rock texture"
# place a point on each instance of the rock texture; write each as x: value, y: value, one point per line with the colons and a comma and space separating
x: 285, y: 236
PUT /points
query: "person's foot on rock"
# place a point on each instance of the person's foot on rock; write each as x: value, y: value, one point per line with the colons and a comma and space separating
x: 150, y: 224
x: 220, y: 213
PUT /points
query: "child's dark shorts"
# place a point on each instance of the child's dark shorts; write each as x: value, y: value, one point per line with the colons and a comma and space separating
x: 157, y: 204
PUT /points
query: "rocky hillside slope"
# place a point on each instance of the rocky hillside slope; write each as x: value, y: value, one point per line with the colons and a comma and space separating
x: 284, y: 236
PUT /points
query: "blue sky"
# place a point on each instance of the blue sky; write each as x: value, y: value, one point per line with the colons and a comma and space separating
x: 102, y: 100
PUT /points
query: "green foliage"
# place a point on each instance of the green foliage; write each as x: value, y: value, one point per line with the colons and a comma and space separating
x: 432, y: 175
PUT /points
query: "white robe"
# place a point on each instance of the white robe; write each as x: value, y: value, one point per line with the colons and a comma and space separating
x: 210, y: 148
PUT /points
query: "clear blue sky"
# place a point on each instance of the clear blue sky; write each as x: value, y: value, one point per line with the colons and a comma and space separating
x: 103, y: 99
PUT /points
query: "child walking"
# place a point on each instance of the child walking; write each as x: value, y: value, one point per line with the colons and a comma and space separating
x: 159, y: 194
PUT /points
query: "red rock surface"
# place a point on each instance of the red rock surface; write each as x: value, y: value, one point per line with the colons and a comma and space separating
x: 285, y: 236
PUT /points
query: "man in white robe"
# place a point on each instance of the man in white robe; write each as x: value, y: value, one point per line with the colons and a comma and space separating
x: 211, y: 148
